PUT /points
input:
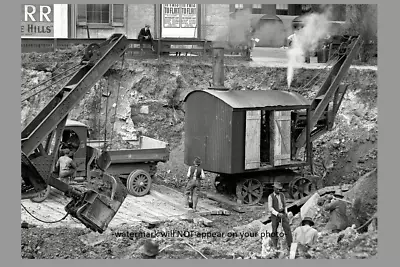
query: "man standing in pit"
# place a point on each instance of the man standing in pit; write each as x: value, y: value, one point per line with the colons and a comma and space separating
x: 65, y: 166
x: 337, y: 209
x: 277, y: 209
x: 194, y: 176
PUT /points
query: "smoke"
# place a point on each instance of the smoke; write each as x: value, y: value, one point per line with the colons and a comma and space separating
x: 316, y: 28
x: 238, y: 29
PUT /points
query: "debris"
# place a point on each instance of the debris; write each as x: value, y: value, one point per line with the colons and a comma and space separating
x: 310, y: 208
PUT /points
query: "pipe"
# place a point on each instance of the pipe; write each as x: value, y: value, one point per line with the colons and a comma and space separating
x: 218, y: 69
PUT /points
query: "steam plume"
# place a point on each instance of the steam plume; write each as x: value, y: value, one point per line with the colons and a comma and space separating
x: 316, y: 28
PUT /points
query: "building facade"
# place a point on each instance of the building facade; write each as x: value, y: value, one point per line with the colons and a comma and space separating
x: 200, y: 21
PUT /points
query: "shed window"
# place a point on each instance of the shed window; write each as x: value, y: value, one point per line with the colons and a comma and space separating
x: 101, y: 15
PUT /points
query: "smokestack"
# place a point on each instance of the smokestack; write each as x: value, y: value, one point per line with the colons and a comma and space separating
x: 218, y: 69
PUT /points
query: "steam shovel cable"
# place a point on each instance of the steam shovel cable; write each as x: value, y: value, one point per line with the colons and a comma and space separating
x: 116, y: 107
x: 63, y: 218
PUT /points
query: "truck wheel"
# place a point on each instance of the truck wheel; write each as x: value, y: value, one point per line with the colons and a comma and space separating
x: 42, y: 195
x: 138, y: 183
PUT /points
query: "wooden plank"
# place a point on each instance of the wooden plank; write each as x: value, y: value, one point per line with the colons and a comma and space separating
x: 167, y: 192
x: 281, y: 122
x: 253, y: 139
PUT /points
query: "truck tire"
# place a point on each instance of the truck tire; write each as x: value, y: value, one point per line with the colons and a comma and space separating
x: 42, y: 195
x: 138, y: 183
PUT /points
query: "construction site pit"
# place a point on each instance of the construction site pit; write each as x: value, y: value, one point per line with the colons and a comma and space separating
x: 150, y: 100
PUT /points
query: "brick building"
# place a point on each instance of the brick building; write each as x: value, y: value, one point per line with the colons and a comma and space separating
x: 203, y: 21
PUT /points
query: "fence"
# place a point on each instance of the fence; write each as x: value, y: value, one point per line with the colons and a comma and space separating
x: 164, y: 46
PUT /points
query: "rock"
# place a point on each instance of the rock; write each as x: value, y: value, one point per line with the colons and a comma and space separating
x: 309, y: 209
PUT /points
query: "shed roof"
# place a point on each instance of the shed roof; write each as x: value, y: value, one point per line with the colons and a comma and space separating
x: 73, y: 123
x: 245, y: 99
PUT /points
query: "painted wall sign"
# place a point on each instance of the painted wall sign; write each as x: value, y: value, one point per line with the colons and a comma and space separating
x: 37, y: 20
x: 179, y: 20
x: 188, y: 15
x: 171, y: 15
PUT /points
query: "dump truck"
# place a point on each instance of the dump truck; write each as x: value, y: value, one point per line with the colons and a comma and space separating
x: 135, y: 166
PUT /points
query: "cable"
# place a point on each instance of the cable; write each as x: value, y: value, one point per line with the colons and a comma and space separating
x: 116, y: 107
x: 68, y: 61
x: 63, y: 218
x: 46, y: 81
x: 41, y: 90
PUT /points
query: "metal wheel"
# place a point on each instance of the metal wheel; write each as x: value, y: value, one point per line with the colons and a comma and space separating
x: 301, y: 187
x: 42, y: 195
x: 249, y: 191
x: 138, y: 183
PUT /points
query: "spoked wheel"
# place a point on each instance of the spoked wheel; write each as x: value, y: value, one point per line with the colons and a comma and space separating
x: 139, y: 183
x: 42, y: 195
x: 250, y: 191
x: 301, y: 187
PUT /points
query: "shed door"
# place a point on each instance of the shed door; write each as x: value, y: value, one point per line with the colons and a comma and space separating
x: 280, y: 125
x: 253, y: 137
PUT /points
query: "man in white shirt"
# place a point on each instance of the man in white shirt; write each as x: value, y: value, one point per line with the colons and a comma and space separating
x: 305, y: 234
x: 195, y: 175
x: 278, y: 211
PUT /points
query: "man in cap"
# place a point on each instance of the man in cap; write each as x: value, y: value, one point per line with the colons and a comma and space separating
x: 149, y: 249
x: 278, y: 210
x: 65, y: 165
x: 145, y: 34
x: 305, y: 234
x: 337, y: 208
x: 194, y: 175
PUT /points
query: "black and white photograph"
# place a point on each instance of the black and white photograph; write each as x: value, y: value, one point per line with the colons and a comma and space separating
x: 199, y: 131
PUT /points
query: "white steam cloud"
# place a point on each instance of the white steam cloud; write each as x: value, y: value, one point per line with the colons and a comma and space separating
x: 316, y: 28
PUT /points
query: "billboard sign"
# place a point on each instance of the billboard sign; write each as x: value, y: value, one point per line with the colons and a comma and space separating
x: 37, y: 20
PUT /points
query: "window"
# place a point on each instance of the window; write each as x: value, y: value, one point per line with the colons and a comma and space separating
x: 101, y: 14
x: 256, y: 9
x: 282, y: 9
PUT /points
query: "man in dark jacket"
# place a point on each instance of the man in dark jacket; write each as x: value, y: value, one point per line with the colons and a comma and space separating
x: 338, y: 217
x: 278, y: 210
x: 194, y: 176
x: 145, y: 35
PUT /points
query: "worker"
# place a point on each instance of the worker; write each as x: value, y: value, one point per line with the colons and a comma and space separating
x: 305, y: 234
x: 145, y: 34
x: 194, y: 175
x: 66, y: 166
x: 337, y: 208
x: 149, y: 249
x: 278, y: 212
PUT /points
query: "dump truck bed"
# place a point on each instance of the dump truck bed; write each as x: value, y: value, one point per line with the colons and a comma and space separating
x: 145, y: 149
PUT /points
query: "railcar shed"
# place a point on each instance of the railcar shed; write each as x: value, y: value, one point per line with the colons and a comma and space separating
x: 234, y: 131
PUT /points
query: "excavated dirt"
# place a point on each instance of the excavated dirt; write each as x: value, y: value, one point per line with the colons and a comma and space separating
x: 161, y: 86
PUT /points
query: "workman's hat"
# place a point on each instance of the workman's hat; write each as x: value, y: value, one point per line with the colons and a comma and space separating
x: 307, y: 219
x: 147, y: 25
x: 197, y: 161
x: 278, y: 185
x: 150, y: 248
x: 65, y: 151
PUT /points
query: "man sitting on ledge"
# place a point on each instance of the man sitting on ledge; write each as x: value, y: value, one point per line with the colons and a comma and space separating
x: 145, y: 34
